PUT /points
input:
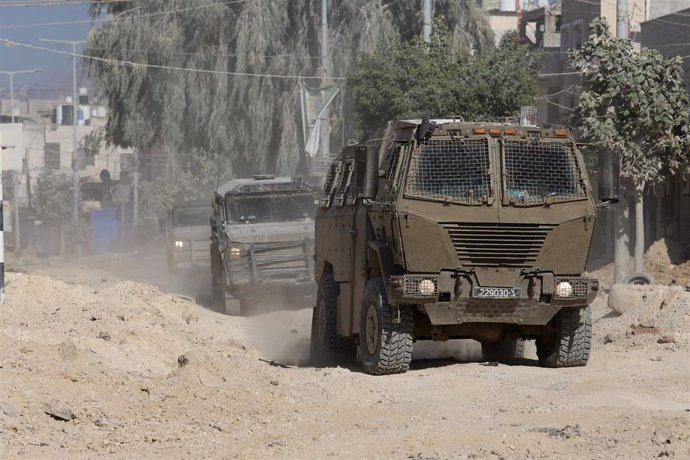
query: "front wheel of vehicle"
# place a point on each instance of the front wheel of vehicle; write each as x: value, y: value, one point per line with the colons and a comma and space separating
x: 386, y: 332
x: 571, y: 342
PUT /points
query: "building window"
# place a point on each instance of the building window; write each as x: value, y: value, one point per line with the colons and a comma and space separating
x: 557, y: 23
x: 51, y: 151
x: 565, y: 42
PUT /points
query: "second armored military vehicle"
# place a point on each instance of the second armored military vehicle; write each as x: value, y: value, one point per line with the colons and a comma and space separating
x: 187, y: 236
x: 450, y: 229
x: 262, y: 242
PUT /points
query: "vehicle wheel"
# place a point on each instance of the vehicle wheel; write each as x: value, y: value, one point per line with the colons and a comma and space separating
x: 385, y: 332
x: 233, y: 306
x: 639, y: 279
x: 503, y: 351
x: 217, y: 288
x: 571, y: 344
x: 326, y: 348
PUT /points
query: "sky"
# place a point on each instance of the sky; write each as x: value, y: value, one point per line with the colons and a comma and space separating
x: 57, y: 71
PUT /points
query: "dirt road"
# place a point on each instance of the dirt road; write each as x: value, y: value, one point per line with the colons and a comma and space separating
x: 99, y: 367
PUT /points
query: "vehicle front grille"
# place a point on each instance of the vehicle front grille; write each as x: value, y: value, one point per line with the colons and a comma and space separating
x: 497, y: 244
x: 281, y: 261
x: 493, y: 310
x: 200, y: 253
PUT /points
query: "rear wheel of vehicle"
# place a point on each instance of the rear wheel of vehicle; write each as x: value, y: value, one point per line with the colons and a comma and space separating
x: 233, y: 306
x: 386, y: 332
x: 503, y: 351
x: 326, y: 348
x: 570, y: 344
x: 217, y: 289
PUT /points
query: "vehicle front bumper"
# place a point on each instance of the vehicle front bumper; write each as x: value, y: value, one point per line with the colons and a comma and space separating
x: 453, y: 300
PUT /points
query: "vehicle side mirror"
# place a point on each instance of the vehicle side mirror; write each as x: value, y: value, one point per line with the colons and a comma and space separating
x: 609, y: 176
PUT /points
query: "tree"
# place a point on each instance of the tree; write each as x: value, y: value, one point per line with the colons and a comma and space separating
x: 52, y: 200
x: 254, y: 121
x: 636, y: 105
x: 412, y: 78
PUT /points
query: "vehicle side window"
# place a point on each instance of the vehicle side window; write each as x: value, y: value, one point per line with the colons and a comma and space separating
x: 345, y: 182
x: 332, y: 181
x: 391, y: 163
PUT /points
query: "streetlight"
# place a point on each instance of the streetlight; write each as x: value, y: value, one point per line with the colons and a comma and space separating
x: 11, y: 74
x: 74, y: 44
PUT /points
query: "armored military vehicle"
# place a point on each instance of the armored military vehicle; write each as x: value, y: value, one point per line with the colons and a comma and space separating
x: 187, y: 236
x: 262, y: 241
x: 448, y: 229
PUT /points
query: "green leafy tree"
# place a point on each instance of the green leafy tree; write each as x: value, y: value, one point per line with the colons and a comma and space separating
x: 53, y: 202
x: 635, y: 104
x: 414, y: 77
x: 196, y: 180
x: 254, y: 121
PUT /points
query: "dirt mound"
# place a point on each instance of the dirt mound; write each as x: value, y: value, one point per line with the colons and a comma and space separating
x: 117, y: 359
x: 127, y: 371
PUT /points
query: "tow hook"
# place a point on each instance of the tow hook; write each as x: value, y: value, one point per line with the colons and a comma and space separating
x: 396, y: 319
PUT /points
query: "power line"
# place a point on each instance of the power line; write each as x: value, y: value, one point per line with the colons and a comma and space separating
x: 183, y: 53
x: 122, y: 16
x: 23, y: 3
x: 10, y: 43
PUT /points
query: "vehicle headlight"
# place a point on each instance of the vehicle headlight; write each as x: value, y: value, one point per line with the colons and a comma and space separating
x: 235, y: 253
x: 426, y: 287
x: 564, y: 289
x: 179, y: 244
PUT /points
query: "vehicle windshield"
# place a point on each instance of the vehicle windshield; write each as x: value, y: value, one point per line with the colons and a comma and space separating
x: 271, y: 208
x: 191, y: 216
x: 455, y: 170
x: 536, y: 171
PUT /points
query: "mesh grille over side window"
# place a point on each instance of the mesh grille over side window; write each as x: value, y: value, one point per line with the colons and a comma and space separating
x: 332, y: 181
x: 536, y: 171
x: 455, y: 170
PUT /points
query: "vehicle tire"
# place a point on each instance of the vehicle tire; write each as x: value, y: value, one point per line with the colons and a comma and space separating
x: 325, y: 347
x: 571, y: 344
x: 217, y: 292
x: 639, y: 279
x: 386, y: 333
x: 503, y: 351
x: 233, y: 306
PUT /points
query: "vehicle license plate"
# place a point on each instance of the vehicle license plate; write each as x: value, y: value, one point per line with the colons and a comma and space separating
x: 495, y: 292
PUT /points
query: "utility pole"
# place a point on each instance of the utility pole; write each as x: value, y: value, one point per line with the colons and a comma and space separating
x: 325, y: 135
x: 135, y: 197
x: 75, y: 106
x: 2, y: 233
x: 16, y: 177
x: 11, y: 74
x: 622, y: 213
x: 426, y: 21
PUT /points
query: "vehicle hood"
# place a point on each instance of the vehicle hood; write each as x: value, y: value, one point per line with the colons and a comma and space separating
x: 270, y: 232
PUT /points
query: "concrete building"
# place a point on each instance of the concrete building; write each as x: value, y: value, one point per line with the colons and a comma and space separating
x: 541, y: 27
x: 658, y: 8
x: 576, y: 15
x: 668, y: 34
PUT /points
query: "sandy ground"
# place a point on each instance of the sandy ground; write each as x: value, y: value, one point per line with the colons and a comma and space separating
x: 92, y: 364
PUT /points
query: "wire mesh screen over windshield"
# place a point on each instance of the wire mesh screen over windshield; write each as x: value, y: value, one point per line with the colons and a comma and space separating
x: 271, y: 208
x: 537, y: 171
x: 455, y: 170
